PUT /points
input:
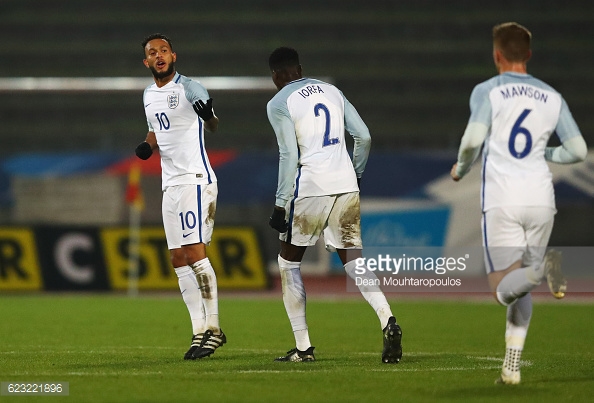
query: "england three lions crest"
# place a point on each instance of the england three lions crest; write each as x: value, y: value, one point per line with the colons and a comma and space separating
x: 173, y: 101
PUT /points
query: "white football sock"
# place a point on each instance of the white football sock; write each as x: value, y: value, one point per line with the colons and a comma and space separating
x: 372, y: 294
x: 295, y: 300
x: 192, y: 297
x: 516, y: 284
x: 207, y: 281
x: 517, y: 323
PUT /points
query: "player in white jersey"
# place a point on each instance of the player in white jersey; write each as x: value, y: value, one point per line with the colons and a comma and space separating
x: 178, y: 110
x: 513, y: 114
x: 318, y: 191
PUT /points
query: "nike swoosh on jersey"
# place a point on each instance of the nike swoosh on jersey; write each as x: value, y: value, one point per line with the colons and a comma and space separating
x: 187, y: 235
x: 147, y: 104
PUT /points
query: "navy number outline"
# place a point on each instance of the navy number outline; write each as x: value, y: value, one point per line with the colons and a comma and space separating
x: 163, y: 121
x: 327, y: 140
x: 515, y: 131
x: 189, y: 214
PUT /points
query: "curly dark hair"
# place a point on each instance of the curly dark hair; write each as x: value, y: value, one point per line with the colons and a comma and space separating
x: 283, y: 57
x: 156, y: 36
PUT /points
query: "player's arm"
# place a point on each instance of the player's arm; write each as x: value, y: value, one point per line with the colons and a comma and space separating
x: 573, y: 147
x: 151, y: 138
x: 358, y: 129
x: 571, y: 151
x: 475, y: 133
x: 198, y: 96
x: 206, y: 113
x: 212, y: 125
x: 145, y: 149
x: 287, y: 163
x: 470, y: 147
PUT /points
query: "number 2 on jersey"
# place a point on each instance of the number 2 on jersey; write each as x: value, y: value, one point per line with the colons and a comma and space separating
x: 518, y: 129
x: 327, y: 140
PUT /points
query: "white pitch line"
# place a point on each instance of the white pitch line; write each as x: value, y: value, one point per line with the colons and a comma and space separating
x: 255, y: 371
x: 435, y: 369
x: 274, y: 371
x: 271, y: 371
x: 107, y: 349
x: 413, y: 353
x: 86, y: 373
x: 525, y: 363
x: 408, y: 353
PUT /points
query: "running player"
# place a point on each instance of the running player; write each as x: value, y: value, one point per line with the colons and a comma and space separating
x: 178, y: 110
x: 513, y: 114
x: 318, y: 191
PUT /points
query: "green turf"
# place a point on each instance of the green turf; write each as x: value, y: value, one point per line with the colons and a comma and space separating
x: 119, y: 349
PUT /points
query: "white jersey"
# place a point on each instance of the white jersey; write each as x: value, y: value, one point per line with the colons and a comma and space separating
x: 179, y: 131
x: 521, y: 113
x: 309, y: 118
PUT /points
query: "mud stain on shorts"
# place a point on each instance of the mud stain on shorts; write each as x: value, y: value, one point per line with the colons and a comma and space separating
x: 212, y: 209
x: 306, y: 225
x: 350, y: 225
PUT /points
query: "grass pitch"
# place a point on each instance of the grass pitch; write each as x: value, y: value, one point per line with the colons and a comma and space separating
x: 119, y: 349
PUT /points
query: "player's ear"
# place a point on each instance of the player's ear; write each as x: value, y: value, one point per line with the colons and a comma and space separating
x: 497, y: 56
x: 529, y: 55
x: 276, y: 79
x: 174, y: 55
x: 145, y: 63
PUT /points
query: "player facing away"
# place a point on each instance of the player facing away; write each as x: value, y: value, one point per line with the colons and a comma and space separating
x: 178, y: 110
x: 513, y: 114
x: 318, y: 191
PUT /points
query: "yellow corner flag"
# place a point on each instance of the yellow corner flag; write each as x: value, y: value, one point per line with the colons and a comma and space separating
x: 136, y: 201
x: 134, y: 191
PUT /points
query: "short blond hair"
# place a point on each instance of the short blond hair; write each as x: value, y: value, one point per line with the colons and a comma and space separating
x: 513, y: 40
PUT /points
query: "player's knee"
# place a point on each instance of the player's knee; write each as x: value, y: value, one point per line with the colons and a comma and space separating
x: 194, y: 253
x: 495, y: 295
x: 285, y: 265
x: 292, y: 253
x: 177, y: 258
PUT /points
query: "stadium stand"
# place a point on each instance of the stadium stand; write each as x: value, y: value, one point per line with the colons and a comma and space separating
x: 408, y: 67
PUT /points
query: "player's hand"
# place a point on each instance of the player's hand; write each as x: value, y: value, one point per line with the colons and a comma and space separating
x: 277, y: 220
x: 204, y: 110
x: 453, y: 173
x: 144, y: 150
x: 359, y: 183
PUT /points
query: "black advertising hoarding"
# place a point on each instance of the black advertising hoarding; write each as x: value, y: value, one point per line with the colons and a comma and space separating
x: 68, y: 258
x: 71, y: 258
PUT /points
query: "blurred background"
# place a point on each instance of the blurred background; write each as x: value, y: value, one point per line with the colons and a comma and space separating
x: 408, y: 67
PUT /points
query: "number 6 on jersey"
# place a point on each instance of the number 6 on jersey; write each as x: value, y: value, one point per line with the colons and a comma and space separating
x: 518, y: 129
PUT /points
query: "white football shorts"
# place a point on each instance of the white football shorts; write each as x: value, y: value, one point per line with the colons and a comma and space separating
x: 188, y: 214
x: 516, y: 233
x: 338, y: 217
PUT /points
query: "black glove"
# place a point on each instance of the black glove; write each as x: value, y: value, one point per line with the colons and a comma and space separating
x: 144, y: 151
x: 359, y: 183
x: 204, y: 110
x: 277, y: 220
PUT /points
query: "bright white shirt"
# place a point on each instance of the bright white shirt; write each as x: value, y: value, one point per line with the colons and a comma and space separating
x: 179, y: 131
x: 518, y: 113
x: 309, y: 118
